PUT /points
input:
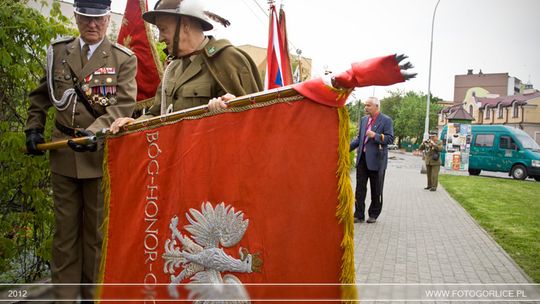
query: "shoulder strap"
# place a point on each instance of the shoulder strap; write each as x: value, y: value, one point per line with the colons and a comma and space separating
x: 62, y: 40
x: 123, y: 49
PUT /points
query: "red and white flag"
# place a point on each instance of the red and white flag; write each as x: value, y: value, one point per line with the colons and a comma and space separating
x: 278, y: 69
x: 135, y: 34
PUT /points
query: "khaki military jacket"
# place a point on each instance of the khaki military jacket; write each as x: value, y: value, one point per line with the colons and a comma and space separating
x: 429, y: 153
x: 107, y: 80
x: 220, y: 68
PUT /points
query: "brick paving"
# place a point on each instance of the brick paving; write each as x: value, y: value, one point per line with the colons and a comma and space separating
x: 426, y: 237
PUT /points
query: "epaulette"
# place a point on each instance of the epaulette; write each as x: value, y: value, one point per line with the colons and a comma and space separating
x: 62, y: 40
x: 123, y: 49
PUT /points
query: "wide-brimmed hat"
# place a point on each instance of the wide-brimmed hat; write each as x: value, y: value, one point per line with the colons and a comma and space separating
x: 192, y: 8
x: 92, y: 8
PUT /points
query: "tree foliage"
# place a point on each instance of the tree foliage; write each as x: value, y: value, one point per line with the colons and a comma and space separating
x: 410, y: 113
x: 26, y: 216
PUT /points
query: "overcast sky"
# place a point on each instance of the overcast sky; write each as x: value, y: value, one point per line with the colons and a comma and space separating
x: 497, y: 36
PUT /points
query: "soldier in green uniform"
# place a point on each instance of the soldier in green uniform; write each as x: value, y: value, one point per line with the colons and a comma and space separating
x: 432, y: 148
x: 91, y: 82
x: 202, y: 70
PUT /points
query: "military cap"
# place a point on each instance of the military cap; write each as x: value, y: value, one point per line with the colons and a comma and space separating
x: 92, y: 8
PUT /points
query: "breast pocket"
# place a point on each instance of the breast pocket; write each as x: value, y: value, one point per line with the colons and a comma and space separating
x: 193, y: 95
x: 61, y: 83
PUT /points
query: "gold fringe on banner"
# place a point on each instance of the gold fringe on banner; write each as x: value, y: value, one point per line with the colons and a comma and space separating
x: 344, y: 212
x: 106, y: 188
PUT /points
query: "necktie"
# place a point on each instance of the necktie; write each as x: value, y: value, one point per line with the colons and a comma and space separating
x: 85, y: 50
x: 369, y: 124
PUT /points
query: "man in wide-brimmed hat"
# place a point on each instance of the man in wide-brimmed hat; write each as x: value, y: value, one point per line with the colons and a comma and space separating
x: 202, y: 69
x: 91, y: 82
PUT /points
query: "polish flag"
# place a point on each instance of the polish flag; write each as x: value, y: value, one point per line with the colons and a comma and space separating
x: 278, y: 69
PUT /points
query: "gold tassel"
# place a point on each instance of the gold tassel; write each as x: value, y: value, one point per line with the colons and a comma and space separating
x: 106, y: 188
x: 345, y: 211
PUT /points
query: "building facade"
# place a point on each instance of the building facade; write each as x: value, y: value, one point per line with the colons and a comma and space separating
x: 496, y: 83
x: 259, y: 57
x: 520, y: 111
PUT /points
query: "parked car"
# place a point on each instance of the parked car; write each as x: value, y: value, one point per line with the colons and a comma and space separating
x: 501, y: 148
x: 392, y: 147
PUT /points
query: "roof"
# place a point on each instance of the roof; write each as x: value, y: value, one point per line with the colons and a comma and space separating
x: 506, y: 101
x: 461, y: 114
x: 452, y: 108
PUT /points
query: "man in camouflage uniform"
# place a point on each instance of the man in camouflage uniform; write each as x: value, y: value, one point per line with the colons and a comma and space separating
x: 91, y: 82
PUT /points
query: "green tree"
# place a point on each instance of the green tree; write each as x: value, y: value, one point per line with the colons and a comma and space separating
x: 26, y: 217
x: 410, y: 118
x: 390, y: 106
x: 356, y: 110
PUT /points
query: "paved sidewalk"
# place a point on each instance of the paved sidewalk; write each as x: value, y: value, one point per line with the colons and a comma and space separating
x: 426, y: 237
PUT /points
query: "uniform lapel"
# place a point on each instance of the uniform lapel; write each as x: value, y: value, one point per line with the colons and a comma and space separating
x: 193, y: 69
x: 98, y: 59
x: 74, y: 57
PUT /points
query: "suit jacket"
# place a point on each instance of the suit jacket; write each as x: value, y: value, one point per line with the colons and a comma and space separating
x: 220, y: 68
x: 376, y: 148
x: 117, y: 81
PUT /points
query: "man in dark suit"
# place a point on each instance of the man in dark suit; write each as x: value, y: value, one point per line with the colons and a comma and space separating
x: 376, y: 131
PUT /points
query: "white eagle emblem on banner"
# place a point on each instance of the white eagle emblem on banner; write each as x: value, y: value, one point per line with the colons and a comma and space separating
x: 201, y: 258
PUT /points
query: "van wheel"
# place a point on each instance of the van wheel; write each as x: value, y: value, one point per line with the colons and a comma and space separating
x: 519, y: 172
x: 474, y: 171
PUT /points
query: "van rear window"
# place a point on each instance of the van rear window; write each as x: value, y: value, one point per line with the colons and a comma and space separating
x: 484, y: 140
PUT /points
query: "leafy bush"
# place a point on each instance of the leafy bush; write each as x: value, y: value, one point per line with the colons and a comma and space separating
x: 26, y: 213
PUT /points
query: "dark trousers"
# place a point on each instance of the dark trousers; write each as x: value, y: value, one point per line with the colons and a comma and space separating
x: 362, y: 176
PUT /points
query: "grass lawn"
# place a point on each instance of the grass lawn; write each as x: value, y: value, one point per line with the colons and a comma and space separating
x: 508, y: 209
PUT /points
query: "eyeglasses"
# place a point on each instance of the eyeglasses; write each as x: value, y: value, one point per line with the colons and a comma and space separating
x: 86, y: 20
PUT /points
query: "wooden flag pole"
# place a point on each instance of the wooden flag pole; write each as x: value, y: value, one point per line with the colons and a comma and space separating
x: 254, y: 98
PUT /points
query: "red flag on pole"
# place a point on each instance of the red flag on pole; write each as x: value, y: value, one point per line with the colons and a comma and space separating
x: 135, y: 34
x: 278, y: 66
x: 286, y: 62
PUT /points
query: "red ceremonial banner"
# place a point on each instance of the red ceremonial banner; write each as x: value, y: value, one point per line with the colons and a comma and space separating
x: 135, y: 34
x: 251, y: 204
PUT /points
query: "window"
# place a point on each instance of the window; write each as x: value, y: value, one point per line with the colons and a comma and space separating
x: 506, y: 142
x: 488, y: 111
x: 484, y: 140
x: 515, y: 110
x: 470, y: 110
x: 499, y: 111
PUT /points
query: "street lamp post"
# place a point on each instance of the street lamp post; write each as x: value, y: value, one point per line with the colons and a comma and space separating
x: 426, y: 127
